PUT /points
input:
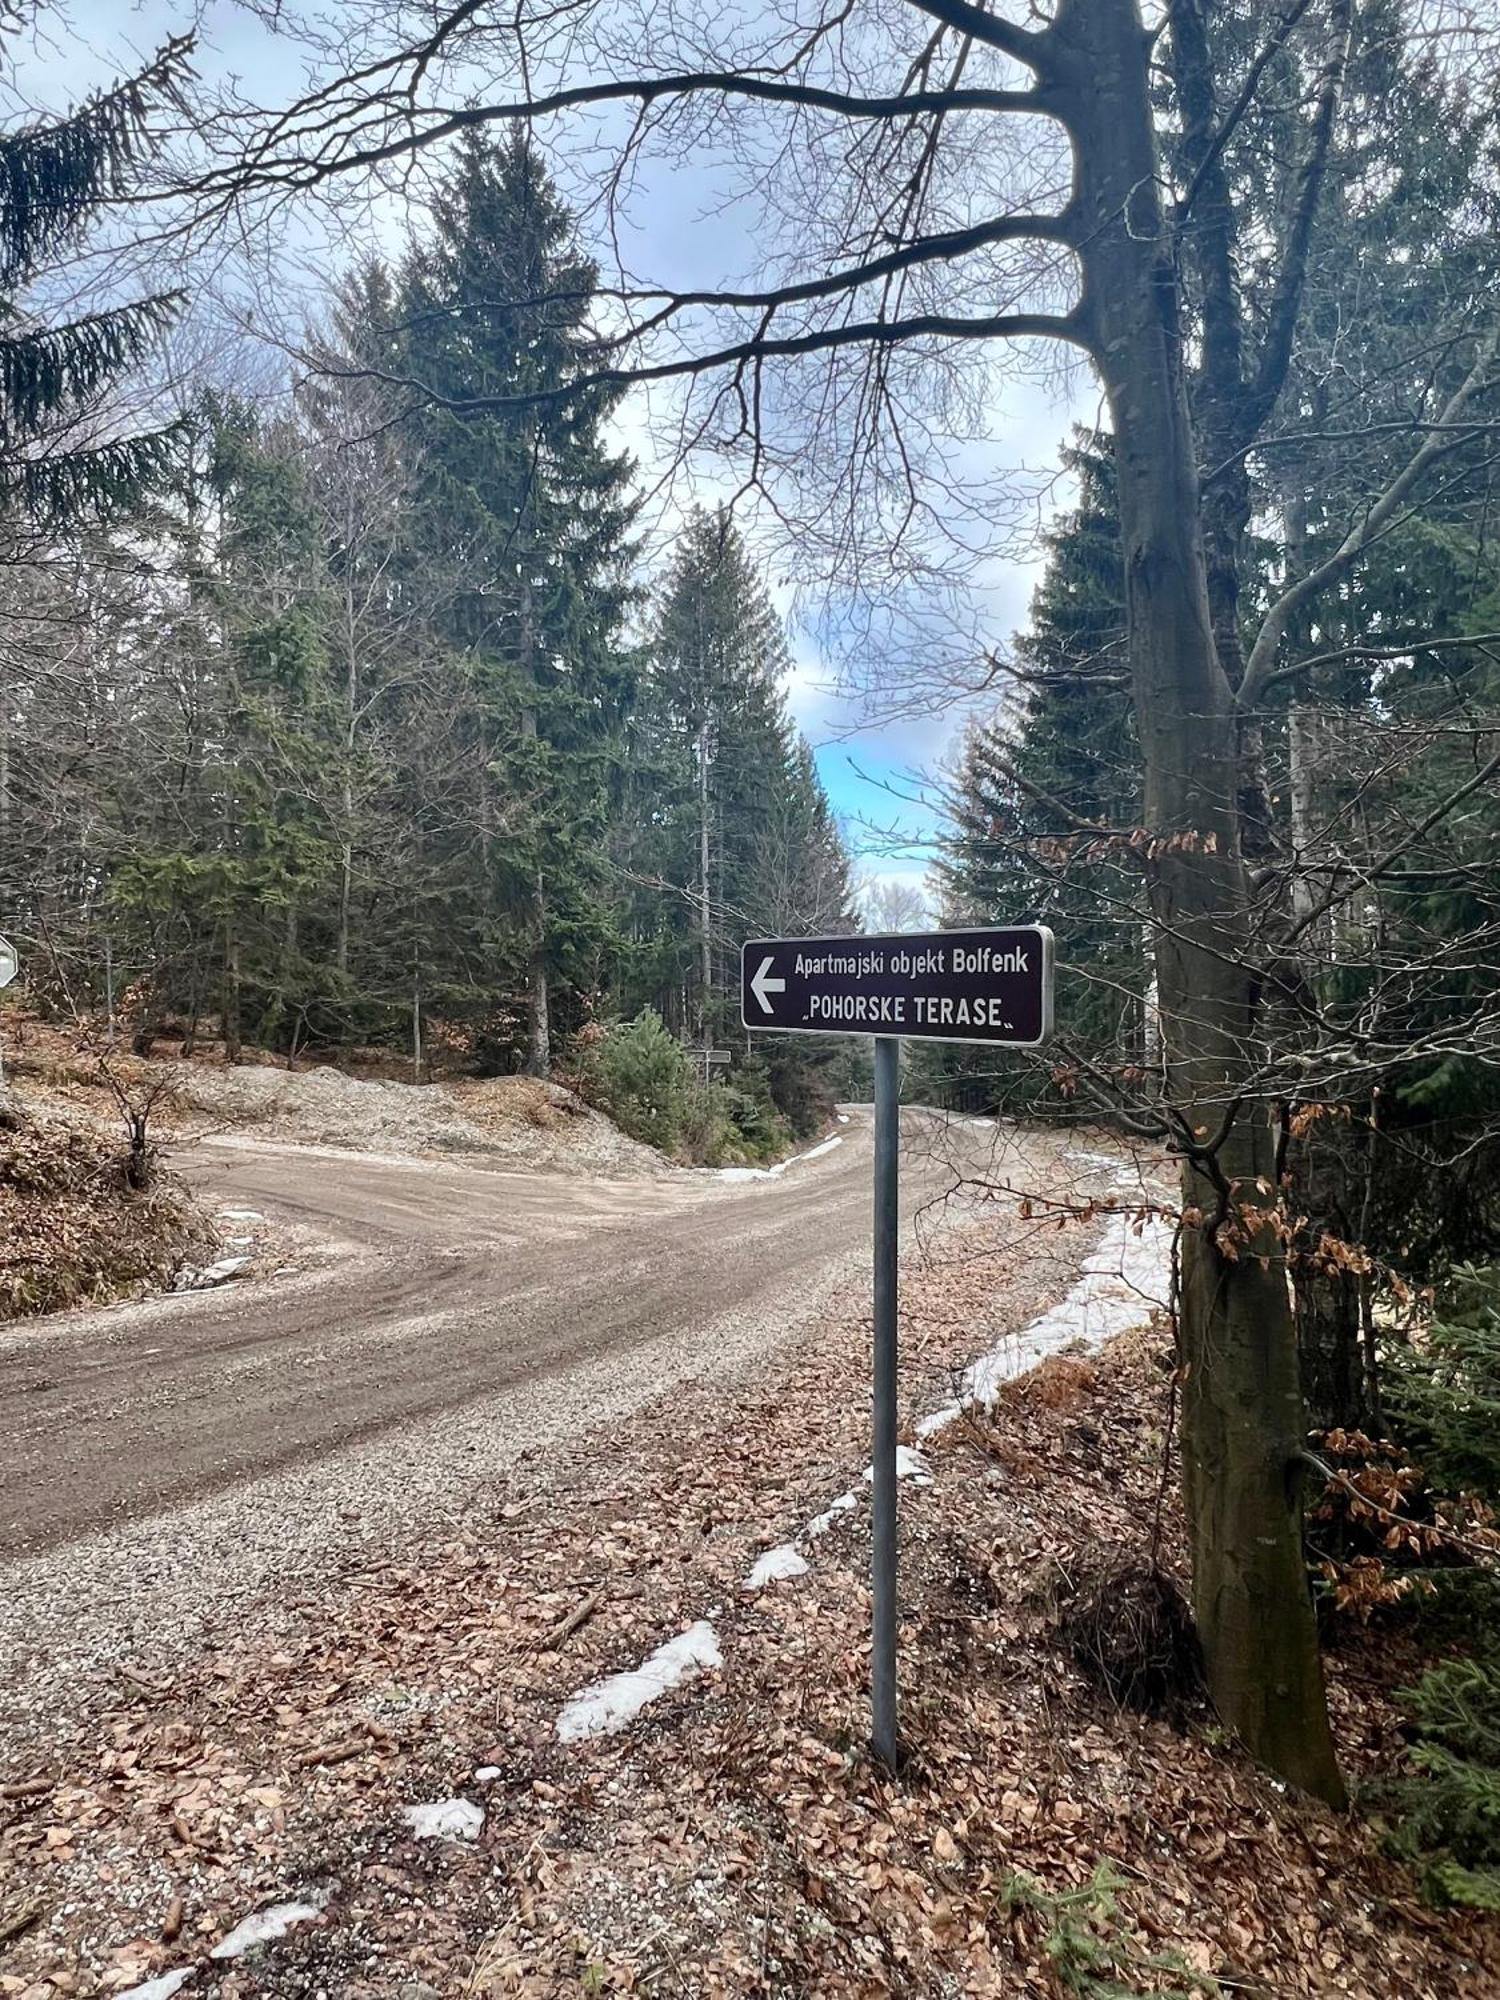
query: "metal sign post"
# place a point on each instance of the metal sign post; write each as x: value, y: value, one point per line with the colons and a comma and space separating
x: 708, y: 1057
x: 883, y: 1427
x: 10, y: 965
x: 992, y: 986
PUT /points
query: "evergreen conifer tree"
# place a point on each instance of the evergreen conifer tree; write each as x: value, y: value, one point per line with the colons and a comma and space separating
x: 60, y: 456
x: 744, y: 832
x: 1035, y: 779
x: 524, y: 514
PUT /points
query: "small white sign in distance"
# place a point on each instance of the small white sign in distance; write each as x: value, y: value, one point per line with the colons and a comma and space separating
x: 990, y: 985
x: 10, y: 964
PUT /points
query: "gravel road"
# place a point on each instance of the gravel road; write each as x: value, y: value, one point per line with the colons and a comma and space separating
x: 160, y: 1460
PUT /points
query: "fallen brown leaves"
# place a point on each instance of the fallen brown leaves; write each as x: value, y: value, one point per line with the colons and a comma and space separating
x: 70, y: 1228
x: 736, y: 1840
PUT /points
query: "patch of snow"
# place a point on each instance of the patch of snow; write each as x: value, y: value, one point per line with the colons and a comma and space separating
x: 982, y: 1124
x: 266, y: 1926
x: 814, y: 1152
x: 775, y: 1173
x: 843, y: 1117
x: 238, y: 1242
x: 939, y: 1420
x: 445, y: 1819
x: 608, y: 1705
x: 776, y: 1566
x: 1121, y: 1284
x: 909, y: 1465
x: 1094, y: 1159
x: 160, y: 1988
x: 200, y: 1280
x: 242, y: 1215
x: 486, y: 1774
x: 845, y: 1504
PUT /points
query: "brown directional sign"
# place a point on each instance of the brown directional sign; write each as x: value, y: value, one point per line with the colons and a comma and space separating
x: 928, y: 986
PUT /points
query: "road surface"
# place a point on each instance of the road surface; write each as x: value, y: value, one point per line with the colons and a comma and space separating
x: 449, y: 1284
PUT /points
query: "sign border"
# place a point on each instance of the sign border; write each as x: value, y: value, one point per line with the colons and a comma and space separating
x: 904, y: 1033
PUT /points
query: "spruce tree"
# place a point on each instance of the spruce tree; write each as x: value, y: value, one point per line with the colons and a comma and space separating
x: 728, y: 834
x: 394, y: 942
x: 61, y: 457
x: 280, y: 728
x: 743, y: 834
x: 1058, y: 761
x: 63, y: 461
x: 523, y: 513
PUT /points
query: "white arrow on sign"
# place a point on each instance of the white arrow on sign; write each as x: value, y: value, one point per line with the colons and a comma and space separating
x: 760, y: 986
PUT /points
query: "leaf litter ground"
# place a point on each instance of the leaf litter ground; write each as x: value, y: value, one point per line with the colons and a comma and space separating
x: 733, y: 1837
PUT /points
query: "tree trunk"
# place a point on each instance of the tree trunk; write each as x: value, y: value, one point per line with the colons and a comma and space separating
x: 351, y: 729
x: 1150, y: 1010
x: 1243, y: 1419
x: 346, y: 879
x: 232, y: 1045
x: 705, y: 904
x: 538, y: 997
x: 5, y: 788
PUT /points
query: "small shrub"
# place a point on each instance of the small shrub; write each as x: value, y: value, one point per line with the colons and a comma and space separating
x: 1089, y: 1950
x: 1450, y: 1814
x: 798, y: 1087
x: 641, y: 1076
x: 1131, y: 1631
x: 1444, y: 1391
x: 707, y: 1137
x: 759, y: 1131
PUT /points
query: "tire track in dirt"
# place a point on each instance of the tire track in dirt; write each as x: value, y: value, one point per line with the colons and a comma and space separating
x: 449, y: 1284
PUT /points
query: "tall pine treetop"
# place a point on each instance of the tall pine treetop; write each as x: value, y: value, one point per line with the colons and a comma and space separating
x: 58, y: 456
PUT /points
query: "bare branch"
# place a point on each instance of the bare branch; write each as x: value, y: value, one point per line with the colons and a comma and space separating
x: 875, y: 333
x: 1241, y: 105
x: 293, y: 169
x: 1027, y: 45
x: 1286, y: 298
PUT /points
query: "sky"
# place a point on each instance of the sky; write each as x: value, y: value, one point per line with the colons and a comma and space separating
x: 878, y: 767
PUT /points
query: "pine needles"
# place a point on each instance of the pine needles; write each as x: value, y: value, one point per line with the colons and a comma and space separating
x: 1450, y: 1820
x: 55, y: 176
x: 1447, y: 1393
